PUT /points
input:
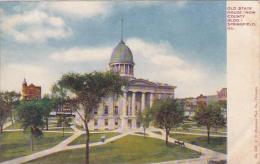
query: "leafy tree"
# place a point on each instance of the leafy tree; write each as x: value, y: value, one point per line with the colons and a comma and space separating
x: 64, y: 121
x: 210, y: 116
x: 31, y: 116
x: 145, y: 118
x: 11, y: 99
x: 47, y: 105
x: 60, y: 94
x: 4, y: 113
x: 167, y: 114
x: 89, y: 89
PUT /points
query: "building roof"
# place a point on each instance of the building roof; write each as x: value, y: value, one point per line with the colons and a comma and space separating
x: 121, y: 54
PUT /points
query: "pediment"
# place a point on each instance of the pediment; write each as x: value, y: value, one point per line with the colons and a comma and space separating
x: 142, y: 82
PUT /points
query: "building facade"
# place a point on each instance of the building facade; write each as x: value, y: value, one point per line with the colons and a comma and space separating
x: 190, y: 104
x: 30, y: 92
x: 121, y: 112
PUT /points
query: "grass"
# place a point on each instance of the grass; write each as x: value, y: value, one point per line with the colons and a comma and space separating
x: 66, y: 129
x: 94, y: 137
x: 16, y: 144
x: 16, y: 125
x: 218, y: 144
x: 129, y: 149
x: 197, y: 131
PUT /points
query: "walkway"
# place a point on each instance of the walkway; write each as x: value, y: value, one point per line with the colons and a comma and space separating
x: 7, y: 124
x: 206, y: 153
x: 61, y: 147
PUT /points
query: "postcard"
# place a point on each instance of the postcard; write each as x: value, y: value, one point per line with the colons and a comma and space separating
x: 136, y: 82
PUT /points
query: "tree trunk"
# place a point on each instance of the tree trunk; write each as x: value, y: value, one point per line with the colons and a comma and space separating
x: 63, y: 128
x: 87, y: 143
x: 166, y: 137
x: 1, y: 128
x: 208, y: 131
x: 12, y: 116
x: 144, y: 132
x: 47, y: 123
x: 32, y: 139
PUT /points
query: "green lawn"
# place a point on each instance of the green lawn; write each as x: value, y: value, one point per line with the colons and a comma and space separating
x: 129, y: 149
x: 66, y: 129
x: 16, y: 125
x: 197, y: 131
x: 218, y: 144
x: 16, y: 144
x: 94, y: 137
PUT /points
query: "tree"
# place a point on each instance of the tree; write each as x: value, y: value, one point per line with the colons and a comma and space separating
x: 60, y: 94
x: 47, y: 105
x: 145, y: 118
x: 31, y: 116
x: 64, y: 122
x: 11, y: 99
x: 89, y: 89
x: 167, y: 114
x: 4, y: 113
x: 209, y: 116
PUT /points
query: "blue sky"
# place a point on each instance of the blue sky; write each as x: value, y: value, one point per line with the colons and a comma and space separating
x: 181, y: 43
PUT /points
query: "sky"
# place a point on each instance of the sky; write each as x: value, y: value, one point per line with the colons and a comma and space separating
x: 181, y: 43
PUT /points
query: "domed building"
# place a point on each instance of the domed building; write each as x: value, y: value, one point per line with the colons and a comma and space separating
x: 121, y: 112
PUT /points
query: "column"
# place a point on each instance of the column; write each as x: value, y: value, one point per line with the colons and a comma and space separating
x: 143, y: 102
x: 133, y: 104
x: 124, y: 104
x: 123, y: 116
x: 151, y: 99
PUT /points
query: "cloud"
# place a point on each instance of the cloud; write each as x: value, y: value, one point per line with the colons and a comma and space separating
x: 82, y: 54
x: 14, y: 73
x: 34, y: 26
x: 81, y: 9
x: 160, y: 62
x: 157, y: 61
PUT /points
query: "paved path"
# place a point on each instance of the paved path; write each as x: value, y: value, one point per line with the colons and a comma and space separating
x: 62, y: 146
x: 7, y: 124
x: 206, y: 153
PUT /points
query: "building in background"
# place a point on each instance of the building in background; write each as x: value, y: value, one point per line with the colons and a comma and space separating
x: 222, y: 94
x: 190, y: 104
x: 121, y: 112
x: 30, y: 92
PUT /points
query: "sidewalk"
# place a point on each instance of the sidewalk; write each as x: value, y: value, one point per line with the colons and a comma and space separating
x: 206, y: 153
x: 7, y: 124
x: 61, y: 147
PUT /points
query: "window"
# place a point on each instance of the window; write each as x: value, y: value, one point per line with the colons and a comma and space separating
x: 106, y: 110
x: 116, y: 110
x: 95, y: 122
x: 106, y: 122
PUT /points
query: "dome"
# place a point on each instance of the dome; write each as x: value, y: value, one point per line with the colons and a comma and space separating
x: 122, y: 54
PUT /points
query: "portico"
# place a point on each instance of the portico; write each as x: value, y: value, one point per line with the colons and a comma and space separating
x: 121, y: 111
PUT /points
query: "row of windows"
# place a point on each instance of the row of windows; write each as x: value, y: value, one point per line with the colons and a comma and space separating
x: 124, y: 70
x: 106, y: 122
